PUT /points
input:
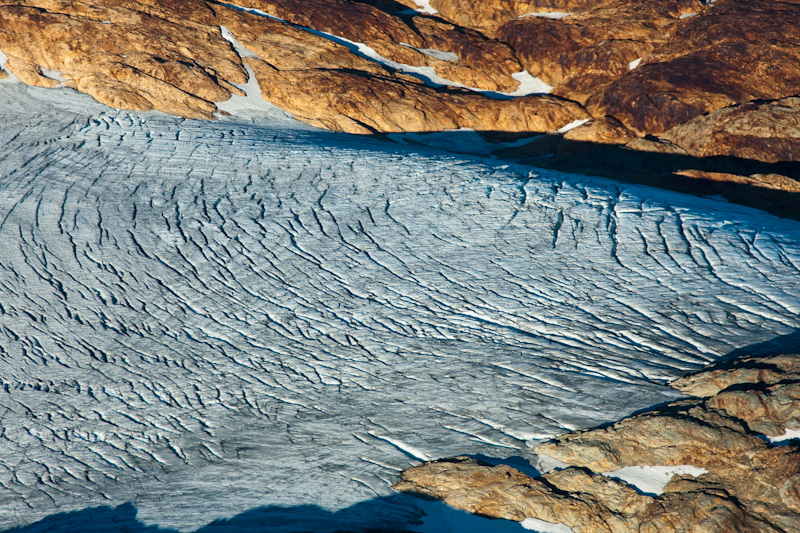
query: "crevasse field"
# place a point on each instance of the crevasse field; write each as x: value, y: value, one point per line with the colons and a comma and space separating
x: 254, y: 325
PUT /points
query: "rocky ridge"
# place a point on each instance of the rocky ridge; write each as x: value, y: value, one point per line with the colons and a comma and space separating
x: 698, y: 80
x: 750, y: 479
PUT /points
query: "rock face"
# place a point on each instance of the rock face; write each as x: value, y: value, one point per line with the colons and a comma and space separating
x: 166, y: 57
x: 732, y: 52
x: 583, y: 52
x: 765, y: 131
x: 173, y: 57
x: 749, y: 484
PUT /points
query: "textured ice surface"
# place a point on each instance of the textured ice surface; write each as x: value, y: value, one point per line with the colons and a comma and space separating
x: 205, y: 318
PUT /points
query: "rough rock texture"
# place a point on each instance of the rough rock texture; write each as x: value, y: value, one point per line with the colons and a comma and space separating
x: 128, y: 55
x: 766, y: 131
x: 749, y: 484
x: 482, y: 63
x: 173, y: 57
x: 733, y: 52
x: 487, y: 15
x: 356, y: 102
x: 585, y: 51
x: 719, y: 376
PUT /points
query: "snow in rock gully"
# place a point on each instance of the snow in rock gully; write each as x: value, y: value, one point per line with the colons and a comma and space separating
x: 223, y: 320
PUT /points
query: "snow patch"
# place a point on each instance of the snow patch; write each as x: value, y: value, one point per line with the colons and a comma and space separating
x: 241, y: 50
x: 252, y: 105
x: 54, y: 75
x: 529, y: 85
x: 789, y: 435
x: 547, y: 14
x: 425, y: 7
x: 542, y: 526
x: 572, y: 125
x: 433, y: 52
x: 11, y: 78
x: 687, y: 15
x: 635, y: 63
x: 652, y: 479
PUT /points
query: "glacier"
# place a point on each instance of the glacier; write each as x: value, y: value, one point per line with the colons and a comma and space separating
x: 210, y: 319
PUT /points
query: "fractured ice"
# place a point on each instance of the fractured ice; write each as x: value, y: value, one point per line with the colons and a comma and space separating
x: 208, y: 317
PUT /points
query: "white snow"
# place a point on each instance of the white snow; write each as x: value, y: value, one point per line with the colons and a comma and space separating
x: 433, y: 52
x: 528, y: 84
x: 222, y: 320
x: 54, y: 75
x: 652, y: 479
x: 547, y: 14
x: 687, y: 15
x: 252, y: 105
x: 635, y: 63
x: 789, y: 435
x: 425, y: 7
x: 572, y: 125
x: 540, y: 526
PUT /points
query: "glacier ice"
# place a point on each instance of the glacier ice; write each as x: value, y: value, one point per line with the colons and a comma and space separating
x: 208, y: 317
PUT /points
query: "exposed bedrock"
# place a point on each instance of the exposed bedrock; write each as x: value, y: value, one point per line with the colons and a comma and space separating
x: 747, y: 482
x: 734, y: 51
x: 765, y: 130
x: 582, y: 53
x: 168, y: 57
x: 477, y: 62
x: 173, y: 57
x: 372, y: 102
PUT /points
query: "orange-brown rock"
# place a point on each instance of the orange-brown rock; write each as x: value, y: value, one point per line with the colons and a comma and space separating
x: 487, y: 15
x: 122, y: 55
x: 748, y: 484
x: 733, y: 52
x: 173, y: 57
x: 574, y: 496
x: 482, y: 63
x: 765, y: 131
x: 745, y: 370
x: 582, y: 53
x: 362, y: 102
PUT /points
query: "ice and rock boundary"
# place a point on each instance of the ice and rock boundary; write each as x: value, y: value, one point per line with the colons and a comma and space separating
x: 741, y: 470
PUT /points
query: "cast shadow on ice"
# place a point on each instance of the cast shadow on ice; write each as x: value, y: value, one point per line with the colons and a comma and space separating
x: 397, y: 513
x: 663, y: 170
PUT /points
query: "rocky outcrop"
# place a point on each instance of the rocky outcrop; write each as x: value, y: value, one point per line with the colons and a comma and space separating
x: 734, y: 51
x: 584, y: 52
x: 127, y: 55
x: 476, y: 61
x: 748, y: 484
x: 764, y: 131
x: 173, y: 57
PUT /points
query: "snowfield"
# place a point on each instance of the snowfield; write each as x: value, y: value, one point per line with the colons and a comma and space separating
x: 262, y: 323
